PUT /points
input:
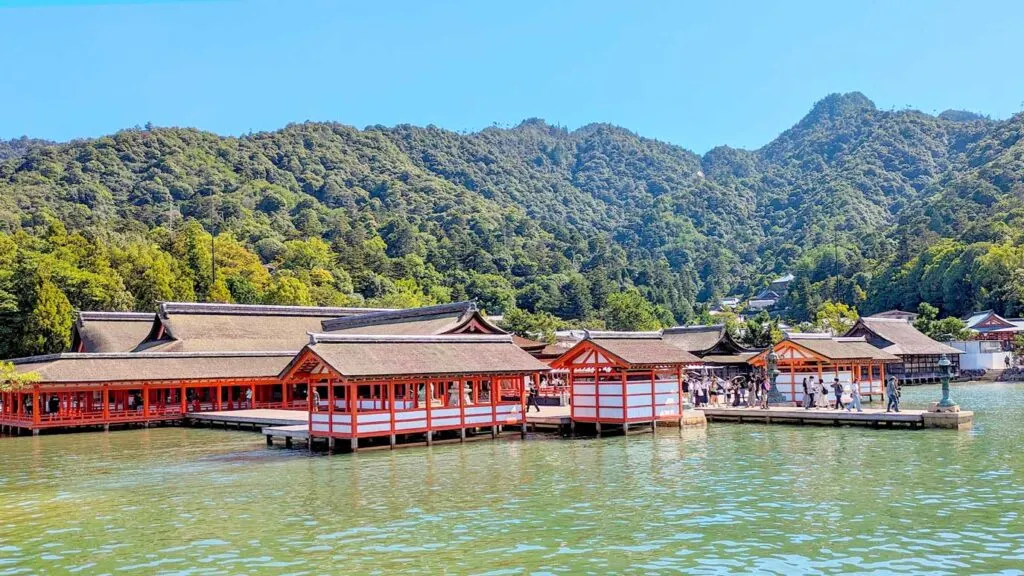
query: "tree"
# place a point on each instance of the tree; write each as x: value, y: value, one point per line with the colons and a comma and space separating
x: 11, y: 380
x: 926, y: 315
x: 630, y: 311
x: 836, y: 318
x: 48, y: 326
x: 760, y: 330
x: 949, y: 328
x: 288, y: 291
x: 406, y: 294
x: 537, y: 325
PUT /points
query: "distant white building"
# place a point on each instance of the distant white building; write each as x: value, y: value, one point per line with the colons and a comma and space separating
x: 730, y: 302
x: 765, y: 300
x: 981, y: 354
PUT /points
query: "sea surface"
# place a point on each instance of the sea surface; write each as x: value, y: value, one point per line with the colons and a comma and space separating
x: 731, y: 499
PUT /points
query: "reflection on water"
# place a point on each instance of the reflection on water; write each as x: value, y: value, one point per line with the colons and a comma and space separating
x: 733, y: 498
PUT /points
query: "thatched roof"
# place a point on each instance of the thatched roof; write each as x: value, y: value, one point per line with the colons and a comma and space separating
x: 440, y: 319
x: 841, y: 348
x: 199, y: 327
x: 636, y: 349
x: 362, y: 356
x: 71, y: 367
x: 110, y: 331
x: 898, y: 337
x: 695, y: 339
x: 895, y: 313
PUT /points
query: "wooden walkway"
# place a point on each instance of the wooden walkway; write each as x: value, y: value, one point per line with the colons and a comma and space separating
x: 874, y: 417
x: 549, y: 418
x: 256, y: 418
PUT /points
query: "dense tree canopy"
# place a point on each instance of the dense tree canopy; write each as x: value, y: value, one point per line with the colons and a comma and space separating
x: 870, y: 208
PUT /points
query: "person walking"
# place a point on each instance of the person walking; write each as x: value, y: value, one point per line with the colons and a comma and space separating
x: 837, y: 388
x: 531, y: 398
x: 854, y: 396
x: 892, y: 390
x: 823, y: 394
x: 766, y: 387
x: 316, y: 400
x: 808, y: 395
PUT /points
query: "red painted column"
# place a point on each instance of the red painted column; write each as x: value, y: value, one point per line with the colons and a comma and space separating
x: 330, y: 406
x: 36, y: 416
x: 355, y: 407
x: 625, y: 386
x: 391, y: 403
x: 494, y: 402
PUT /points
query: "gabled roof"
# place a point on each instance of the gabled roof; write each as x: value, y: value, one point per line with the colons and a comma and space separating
x: 91, y: 368
x: 895, y: 313
x: 839, y: 348
x: 695, y: 339
x: 767, y: 294
x: 988, y: 321
x: 440, y: 319
x: 826, y: 348
x: 632, y: 349
x: 110, y: 331
x: 704, y: 340
x: 902, y: 338
x: 198, y: 327
x: 364, y: 356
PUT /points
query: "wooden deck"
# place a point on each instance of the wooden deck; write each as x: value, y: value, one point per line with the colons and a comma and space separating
x: 549, y: 418
x: 256, y: 418
x: 874, y: 417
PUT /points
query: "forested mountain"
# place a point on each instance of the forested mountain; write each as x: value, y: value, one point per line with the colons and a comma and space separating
x: 534, y: 218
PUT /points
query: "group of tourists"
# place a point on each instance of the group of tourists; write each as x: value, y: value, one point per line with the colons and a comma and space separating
x: 713, y: 391
x: 834, y: 396
x: 840, y: 396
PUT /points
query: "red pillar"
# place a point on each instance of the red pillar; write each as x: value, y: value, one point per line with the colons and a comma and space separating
x: 654, y: 395
x: 355, y: 407
x: 36, y: 416
x: 330, y: 406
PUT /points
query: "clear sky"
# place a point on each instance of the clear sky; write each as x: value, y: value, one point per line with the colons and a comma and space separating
x: 694, y: 74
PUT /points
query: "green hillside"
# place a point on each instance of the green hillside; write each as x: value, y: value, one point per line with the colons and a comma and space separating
x: 534, y: 218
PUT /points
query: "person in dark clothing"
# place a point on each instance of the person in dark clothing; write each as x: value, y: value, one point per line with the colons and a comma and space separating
x: 837, y: 389
x: 531, y: 399
x: 808, y: 395
x: 892, y: 390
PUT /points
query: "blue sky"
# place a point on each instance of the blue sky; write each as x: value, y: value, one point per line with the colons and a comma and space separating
x: 694, y: 74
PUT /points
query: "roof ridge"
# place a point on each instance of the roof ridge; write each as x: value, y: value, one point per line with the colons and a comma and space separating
x: 147, y: 355
x: 620, y: 335
x: 261, y: 309
x: 809, y: 336
x: 115, y: 315
x: 692, y: 328
x: 316, y: 338
x: 382, y: 316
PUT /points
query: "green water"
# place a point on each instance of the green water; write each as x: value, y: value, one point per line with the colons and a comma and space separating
x: 729, y: 499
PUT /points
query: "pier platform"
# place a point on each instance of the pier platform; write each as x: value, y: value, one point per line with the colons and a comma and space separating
x: 299, y: 431
x: 255, y: 418
x: 549, y: 418
x: 874, y: 417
